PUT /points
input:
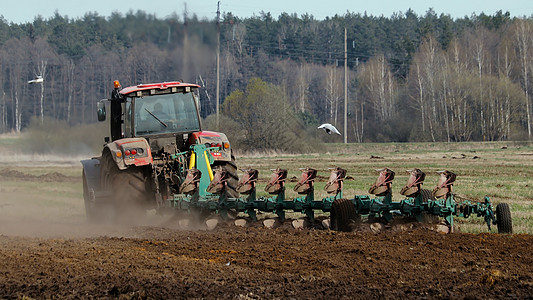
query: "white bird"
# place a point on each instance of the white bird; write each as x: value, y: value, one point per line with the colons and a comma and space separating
x: 329, y: 128
x: 37, y: 79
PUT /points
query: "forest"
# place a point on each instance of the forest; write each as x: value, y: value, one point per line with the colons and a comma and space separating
x: 409, y: 77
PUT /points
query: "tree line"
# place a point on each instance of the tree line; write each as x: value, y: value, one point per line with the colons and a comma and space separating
x: 410, y: 77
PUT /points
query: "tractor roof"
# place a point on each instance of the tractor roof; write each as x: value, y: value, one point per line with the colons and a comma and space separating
x: 160, y: 86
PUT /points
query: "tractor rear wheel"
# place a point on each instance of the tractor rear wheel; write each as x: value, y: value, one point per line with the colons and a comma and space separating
x: 93, y: 211
x: 426, y: 195
x: 342, y: 215
x: 128, y: 190
x: 503, y: 218
x: 233, y: 180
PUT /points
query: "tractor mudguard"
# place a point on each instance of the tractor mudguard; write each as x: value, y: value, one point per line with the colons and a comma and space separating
x: 210, y: 139
x: 91, y: 169
x: 130, y: 151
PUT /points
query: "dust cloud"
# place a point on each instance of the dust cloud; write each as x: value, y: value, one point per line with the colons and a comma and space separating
x: 40, y: 226
x: 45, y: 217
x: 37, y: 199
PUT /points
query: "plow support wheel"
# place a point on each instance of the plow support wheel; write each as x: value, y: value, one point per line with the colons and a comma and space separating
x: 503, y: 218
x: 342, y: 215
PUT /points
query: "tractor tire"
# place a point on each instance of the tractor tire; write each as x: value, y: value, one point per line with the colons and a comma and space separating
x: 233, y: 181
x: 503, y: 218
x: 426, y: 195
x: 342, y: 215
x: 92, y: 209
x: 428, y: 218
x: 128, y: 189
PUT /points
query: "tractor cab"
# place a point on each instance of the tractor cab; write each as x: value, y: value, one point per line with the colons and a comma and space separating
x: 158, y: 112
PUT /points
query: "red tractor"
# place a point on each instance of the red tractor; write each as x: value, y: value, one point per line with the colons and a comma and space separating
x: 156, y: 139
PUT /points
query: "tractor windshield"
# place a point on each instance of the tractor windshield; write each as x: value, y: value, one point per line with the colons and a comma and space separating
x: 168, y: 113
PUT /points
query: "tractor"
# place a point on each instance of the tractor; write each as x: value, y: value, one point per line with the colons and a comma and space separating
x: 156, y: 142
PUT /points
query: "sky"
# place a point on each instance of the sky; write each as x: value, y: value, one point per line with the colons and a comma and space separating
x: 20, y: 12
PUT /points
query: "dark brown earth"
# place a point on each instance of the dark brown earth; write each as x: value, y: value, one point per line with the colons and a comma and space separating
x: 73, y: 259
x: 257, y: 263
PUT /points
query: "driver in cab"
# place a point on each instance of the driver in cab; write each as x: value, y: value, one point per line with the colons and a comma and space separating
x: 158, y: 112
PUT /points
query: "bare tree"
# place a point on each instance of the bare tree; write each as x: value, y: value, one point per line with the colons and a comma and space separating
x: 505, y: 72
x: 426, y: 78
x: 523, y: 36
x: 333, y: 92
x: 359, y: 119
x: 380, y: 86
x: 3, y: 104
x: 429, y: 51
x: 16, y: 69
x: 42, y: 72
x: 479, y: 57
x: 445, y: 98
x: 70, y: 79
x: 419, y: 97
x: 303, y: 85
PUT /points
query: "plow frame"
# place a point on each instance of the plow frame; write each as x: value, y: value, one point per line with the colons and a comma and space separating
x: 447, y: 208
x: 251, y: 204
x: 381, y: 207
x: 201, y: 200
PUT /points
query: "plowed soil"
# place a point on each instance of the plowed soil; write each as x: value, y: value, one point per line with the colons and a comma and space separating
x: 257, y: 263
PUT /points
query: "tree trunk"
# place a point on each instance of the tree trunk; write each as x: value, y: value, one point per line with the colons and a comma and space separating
x: 523, y: 37
x: 42, y: 72
x: 70, y: 69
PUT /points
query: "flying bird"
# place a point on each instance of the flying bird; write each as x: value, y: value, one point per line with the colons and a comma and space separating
x: 37, y: 79
x: 329, y: 128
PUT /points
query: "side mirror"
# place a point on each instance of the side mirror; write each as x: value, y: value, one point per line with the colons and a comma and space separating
x: 100, y: 110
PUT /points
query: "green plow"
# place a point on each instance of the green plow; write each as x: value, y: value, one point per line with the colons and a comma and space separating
x: 208, y: 194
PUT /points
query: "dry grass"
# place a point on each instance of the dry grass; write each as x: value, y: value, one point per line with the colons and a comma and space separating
x: 506, y: 175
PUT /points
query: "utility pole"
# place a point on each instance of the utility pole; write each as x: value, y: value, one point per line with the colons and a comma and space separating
x: 185, y: 45
x: 345, y: 88
x: 218, y: 64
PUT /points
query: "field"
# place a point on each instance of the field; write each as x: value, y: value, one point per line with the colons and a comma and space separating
x: 49, y: 251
